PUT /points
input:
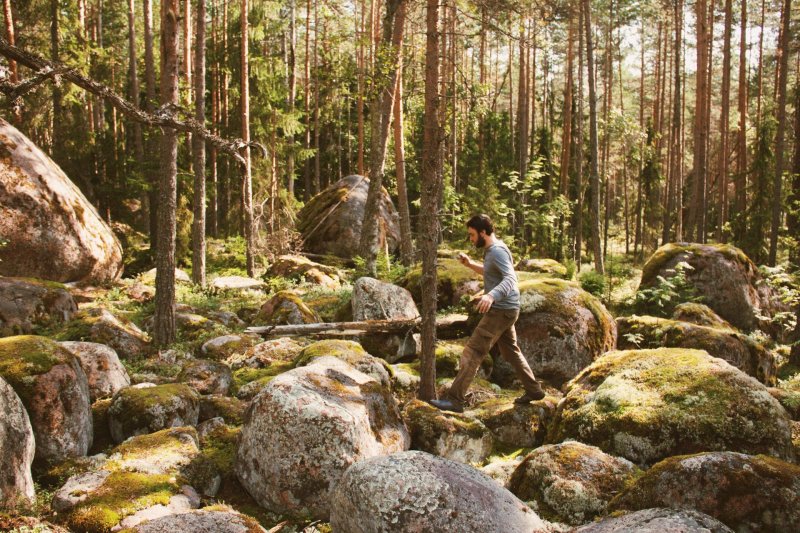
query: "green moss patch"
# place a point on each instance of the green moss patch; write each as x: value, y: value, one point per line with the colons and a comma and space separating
x: 666, y: 253
x: 24, y: 357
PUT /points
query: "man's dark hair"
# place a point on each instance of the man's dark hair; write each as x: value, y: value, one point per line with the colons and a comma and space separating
x: 481, y: 223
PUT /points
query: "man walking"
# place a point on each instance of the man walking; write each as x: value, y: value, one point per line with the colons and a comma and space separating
x: 500, y: 308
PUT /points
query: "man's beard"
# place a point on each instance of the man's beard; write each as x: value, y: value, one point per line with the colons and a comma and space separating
x: 480, y: 242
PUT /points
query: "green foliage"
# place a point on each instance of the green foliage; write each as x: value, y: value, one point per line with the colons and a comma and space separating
x: 387, y: 270
x: 786, y: 286
x: 594, y: 283
x: 661, y: 299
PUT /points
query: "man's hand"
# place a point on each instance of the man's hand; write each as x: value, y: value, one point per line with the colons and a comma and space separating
x: 485, y: 303
x: 464, y: 259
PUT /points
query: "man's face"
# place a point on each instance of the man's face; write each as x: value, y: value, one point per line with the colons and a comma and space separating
x: 478, y: 239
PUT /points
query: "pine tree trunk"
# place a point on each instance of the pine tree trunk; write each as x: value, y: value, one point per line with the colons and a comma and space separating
x: 793, y: 201
x: 12, y: 65
x: 723, y: 122
x: 247, y: 178
x: 697, y: 216
x: 673, y: 195
x: 307, y: 189
x: 593, y: 145
x: 199, y: 152
x: 57, y: 107
x: 292, y: 96
x: 431, y: 190
x: 406, y: 238
x: 777, y: 188
x: 164, y: 323
x: 741, y: 136
x: 135, y: 129
x: 149, y: 106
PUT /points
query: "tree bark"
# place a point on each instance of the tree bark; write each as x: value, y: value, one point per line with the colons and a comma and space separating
x: 430, y: 201
x: 793, y: 202
x: 593, y: 146
x: 673, y: 192
x: 199, y: 152
x: 406, y: 238
x: 723, y: 122
x: 740, y: 182
x: 777, y: 188
x: 697, y: 217
x: 292, y: 95
x: 149, y: 106
x: 12, y: 65
x: 247, y: 178
x: 164, y: 323
x: 57, y: 107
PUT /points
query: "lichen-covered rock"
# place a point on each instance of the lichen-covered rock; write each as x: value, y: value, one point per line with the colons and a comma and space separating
x: 102, y: 366
x: 16, y: 449
x: 101, y: 326
x: 454, y: 281
x: 699, y: 314
x: 646, y: 405
x: 202, y: 521
x: 265, y: 353
x: 658, y: 520
x: 377, y: 300
x: 741, y: 351
x: 723, y: 275
x: 306, y: 427
x: 514, y: 425
x: 297, y: 267
x: 561, y: 328
x: 248, y: 382
x: 53, y: 387
x: 416, y: 491
x: 227, y: 346
x: 207, y: 377
x: 147, y: 408
x: 239, y: 283
x: 549, y: 267
x: 570, y: 482
x: 350, y: 352
x: 285, y: 307
x: 450, y: 435
x: 331, y: 221
x: 143, y: 478
x: 229, y: 409
x: 747, y: 493
x: 26, y: 303
x: 53, y: 231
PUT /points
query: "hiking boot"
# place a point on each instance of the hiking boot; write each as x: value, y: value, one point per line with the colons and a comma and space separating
x: 446, y: 404
x: 529, y: 397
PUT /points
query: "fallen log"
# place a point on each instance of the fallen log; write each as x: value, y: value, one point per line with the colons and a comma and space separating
x: 449, y: 326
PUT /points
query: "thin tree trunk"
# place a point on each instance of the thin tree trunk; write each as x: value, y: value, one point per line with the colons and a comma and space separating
x: 760, y: 64
x: 697, y: 216
x: 135, y: 127
x: 777, y: 189
x: 793, y: 201
x: 307, y: 189
x: 164, y: 323
x: 292, y: 96
x: 213, y: 179
x: 149, y: 106
x: 317, y: 132
x: 57, y: 107
x: 723, y: 123
x: 199, y: 152
x: 741, y: 144
x: 247, y: 178
x: 406, y: 239
x: 579, y: 155
x: 637, y: 238
x: 431, y: 191
x: 12, y: 65
x: 673, y: 191
x: 593, y: 146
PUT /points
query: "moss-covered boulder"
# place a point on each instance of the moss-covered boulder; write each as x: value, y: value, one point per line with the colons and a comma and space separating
x: 350, y: 352
x: 27, y: 303
x: 263, y: 354
x: 53, y: 231
x: 102, y: 366
x: 699, y: 314
x: 147, y: 408
x: 101, y: 326
x: 656, y: 520
x: 745, y: 492
x: 741, y: 351
x: 286, y: 307
x: 548, y: 267
x: 299, y: 268
x: 722, y: 275
x: 570, y: 482
x: 514, y: 425
x: 231, y: 410
x: 53, y: 387
x: 450, y: 435
x: 146, y: 477
x: 227, y: 347
x: 306, y: 427
x: 454, y: 281
x: 417, y: 491
x: 218, y: 521
x: 646, y: 405
x: 248, y: 382
x: 562, y: 328
x: 331, y: 221
x: 16, y: 450
x: 207, y: 377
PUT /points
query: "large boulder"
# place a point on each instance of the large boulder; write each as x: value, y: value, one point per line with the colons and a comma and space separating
x: 454, y: 282
x: 747, y: 493
x: 306, y: 427
x: 217, y: 521
x: 26, y: 303
x: 416, y: 491
x: 570, y: 482
x: 562, y: 328
x: 16, y: 449
x: 331, y: 221
x: 658, y: 520
x: 102, y: 366
x: 741, y: 351
x: 147, y: 408
x: 726, y: 279
x: 351, y: 353
x: 53, y: 232
x: 646, y: 405
x: 547, y: 267
x: 207, y: 377
x: 286, y: 307
x: 103, y: 327
x: 53, y: 387
x: 377, y: 300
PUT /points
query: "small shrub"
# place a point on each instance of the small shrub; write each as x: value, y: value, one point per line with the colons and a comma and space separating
x: 594, y: 283
x: 661, y: 299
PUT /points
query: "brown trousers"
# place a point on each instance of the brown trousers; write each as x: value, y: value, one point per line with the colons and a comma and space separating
x: 496, y: 327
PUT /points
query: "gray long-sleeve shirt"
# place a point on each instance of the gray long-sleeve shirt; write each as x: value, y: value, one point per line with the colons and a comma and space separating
x: 499, y: 278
